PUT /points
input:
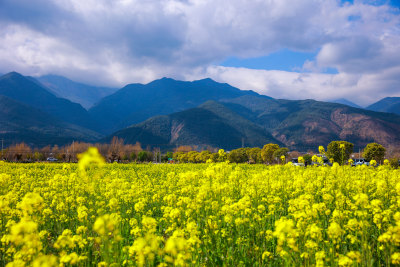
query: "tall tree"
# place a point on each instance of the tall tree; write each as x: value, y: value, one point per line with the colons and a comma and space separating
x: 222, y: 156
x: 116, y: 149
x: 238, y: 155
x: 339, y: 151
x: 144, y: 156
x: 374, y: 151
x: 267, y: 152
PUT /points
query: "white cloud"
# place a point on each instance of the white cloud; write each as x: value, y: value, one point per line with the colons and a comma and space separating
x: 360, y: 88
x: 122, y: 41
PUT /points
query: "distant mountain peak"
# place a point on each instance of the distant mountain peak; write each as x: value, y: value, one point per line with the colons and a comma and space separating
x: 13, y: 74
x: 163, y: 81
x: 344, y: 101
x: 166, y: 79
x: 84, y: 94
x: 208, y: 80
x: 392, y: 98
x: 387, y: 104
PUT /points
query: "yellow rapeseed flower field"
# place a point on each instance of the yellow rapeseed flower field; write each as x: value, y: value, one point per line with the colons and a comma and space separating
x: 216, y: 214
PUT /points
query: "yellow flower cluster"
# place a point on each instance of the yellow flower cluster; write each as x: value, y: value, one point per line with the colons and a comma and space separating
x: 92, y: 213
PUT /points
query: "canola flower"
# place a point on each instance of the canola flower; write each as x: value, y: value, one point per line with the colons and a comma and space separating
x: 216, y: 214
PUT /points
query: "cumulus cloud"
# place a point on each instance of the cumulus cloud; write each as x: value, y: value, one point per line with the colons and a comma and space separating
x: 362, y: 88
x: 122, y: 41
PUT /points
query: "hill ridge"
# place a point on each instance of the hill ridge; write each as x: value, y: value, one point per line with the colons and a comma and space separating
x: 22, y: 123
x: 202, y: 126
x: 32, y: 93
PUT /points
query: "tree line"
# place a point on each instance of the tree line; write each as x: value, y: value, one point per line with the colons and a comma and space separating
x: 337, y: 151
x: 117, y: 151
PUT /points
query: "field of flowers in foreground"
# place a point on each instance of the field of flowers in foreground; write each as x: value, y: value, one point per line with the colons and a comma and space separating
x: 198, y: 214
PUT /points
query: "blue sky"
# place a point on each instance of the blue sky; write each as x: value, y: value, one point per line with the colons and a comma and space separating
x: 289, y: 60
x: 282, y: 48
x: 394, y: 3
x: 284, y: 59
x: 281, y: 60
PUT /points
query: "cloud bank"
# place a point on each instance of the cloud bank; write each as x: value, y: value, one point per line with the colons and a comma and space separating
x: 123, y: 41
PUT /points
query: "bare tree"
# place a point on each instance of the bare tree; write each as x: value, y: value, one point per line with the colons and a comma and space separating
x: 19, y: 152
x: 115, y: 150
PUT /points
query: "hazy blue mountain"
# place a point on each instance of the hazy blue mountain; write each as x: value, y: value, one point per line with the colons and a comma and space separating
x: 30, y: 92
x: 387, y: 104
x: 22, y: 123
x: 84, y: 94
x: 345, y: 102
x: 137, y: 102
x: 395, y: 108
x: 210, y: 124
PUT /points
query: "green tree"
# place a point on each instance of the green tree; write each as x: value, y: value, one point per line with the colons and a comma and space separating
x: 374, y: 151
x: 238, y: 156
x: 214, y: 157
x: 307, y: 159
x: 254, y: 155
x: 204, y: 156
x: 176, y: 155
x: 133, y: 156
x: 222, y: 156
x: 38, y: 156
x: 144, y: 156
x: 166, y: 156
x: 192, y: 156
x: 267, y: 152
x: 394, y: 163
x: 282, y: 151
x: 182, y: 157
x: 339, y: 151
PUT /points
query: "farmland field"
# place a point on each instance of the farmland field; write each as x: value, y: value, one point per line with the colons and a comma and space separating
x: 198, y: 214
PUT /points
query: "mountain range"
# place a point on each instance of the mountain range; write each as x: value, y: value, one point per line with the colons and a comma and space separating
x: 167, y: 113
x: 135, y: 103
x: 210, y: 124
x: 305, y: 123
